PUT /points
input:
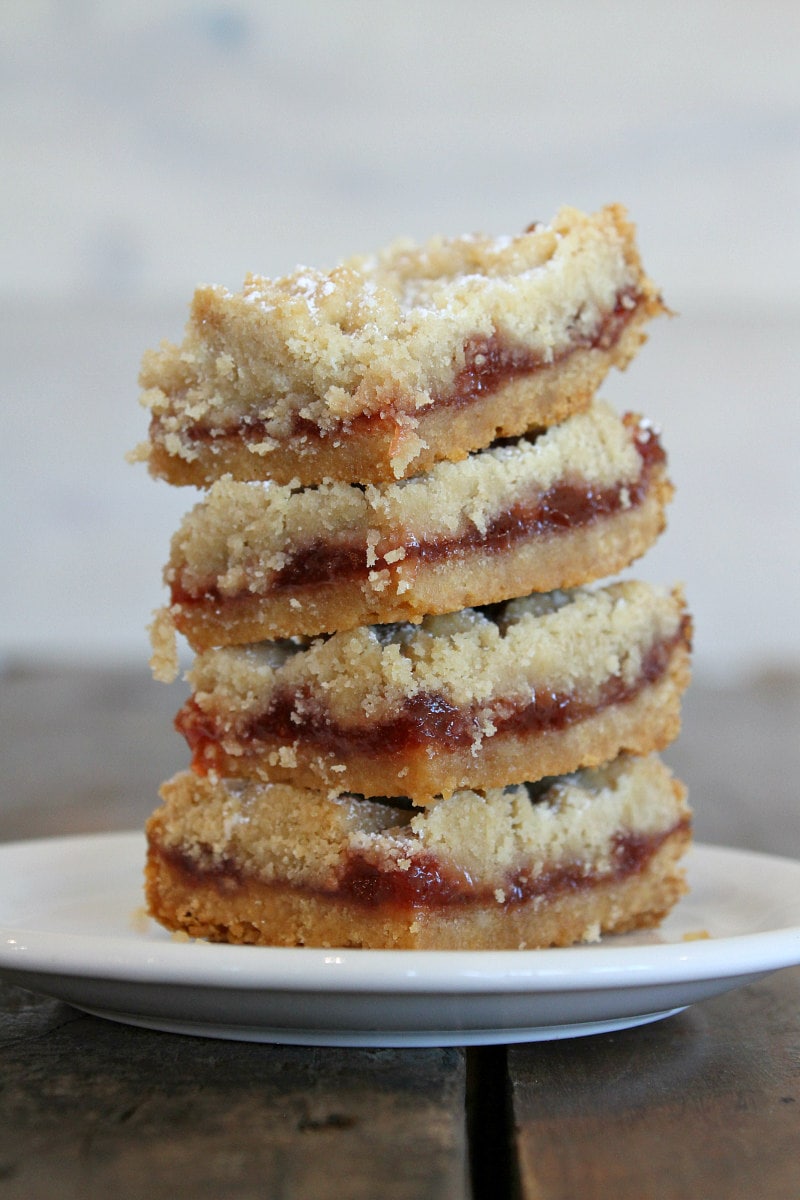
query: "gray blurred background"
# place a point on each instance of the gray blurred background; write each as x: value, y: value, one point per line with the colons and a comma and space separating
x: 148, y: 147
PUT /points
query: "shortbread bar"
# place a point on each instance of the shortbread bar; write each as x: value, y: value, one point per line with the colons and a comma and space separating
x: 480, y: 698
x: 386, y: 365
x: 254, y: 560
x: 527, y: 866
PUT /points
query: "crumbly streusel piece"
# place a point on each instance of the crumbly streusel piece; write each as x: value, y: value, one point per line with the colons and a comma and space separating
x: 524, y: 866
x: 478, y: 698
x: 257, y: 560
x: 386, y: 365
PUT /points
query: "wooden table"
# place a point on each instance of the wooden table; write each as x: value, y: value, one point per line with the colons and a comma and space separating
x: 705, y: 1104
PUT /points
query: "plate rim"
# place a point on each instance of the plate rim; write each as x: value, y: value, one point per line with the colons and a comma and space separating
x: 390, y: 972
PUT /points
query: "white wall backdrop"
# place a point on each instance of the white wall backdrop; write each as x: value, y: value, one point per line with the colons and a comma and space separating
x: 149, y: 146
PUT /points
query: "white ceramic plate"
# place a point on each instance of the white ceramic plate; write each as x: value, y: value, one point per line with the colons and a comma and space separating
x: 72, y: 927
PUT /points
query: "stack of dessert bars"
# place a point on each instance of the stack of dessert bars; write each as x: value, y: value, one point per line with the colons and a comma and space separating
x: 412, y: 722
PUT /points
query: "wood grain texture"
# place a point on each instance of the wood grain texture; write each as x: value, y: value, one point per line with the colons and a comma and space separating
x: 85, y: 750
x: 739, y: 754
x: 705, y: 1104
x: 92, y: 1110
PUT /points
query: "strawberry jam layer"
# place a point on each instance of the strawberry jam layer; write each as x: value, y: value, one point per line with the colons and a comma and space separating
x: 489, y: 364
x: 429, y: 883
x: 565, y: 506
x: 425, y: 722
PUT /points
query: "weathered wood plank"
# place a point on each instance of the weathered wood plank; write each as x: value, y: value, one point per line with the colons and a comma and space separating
x: 86, y: 750
x: 705, y: 1104
x: 739, y: 753
x: 92, y: 1110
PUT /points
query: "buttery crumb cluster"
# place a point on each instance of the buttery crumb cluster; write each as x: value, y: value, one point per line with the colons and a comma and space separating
x: 412, y: 722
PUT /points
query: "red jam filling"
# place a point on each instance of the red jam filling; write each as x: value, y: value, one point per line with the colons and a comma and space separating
x: 429, y: 884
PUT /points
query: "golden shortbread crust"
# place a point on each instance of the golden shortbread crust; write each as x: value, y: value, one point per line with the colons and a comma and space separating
x: 269, y: 864
x: 367, y: 546
x: 346, y: 712
x: 385, y: 365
